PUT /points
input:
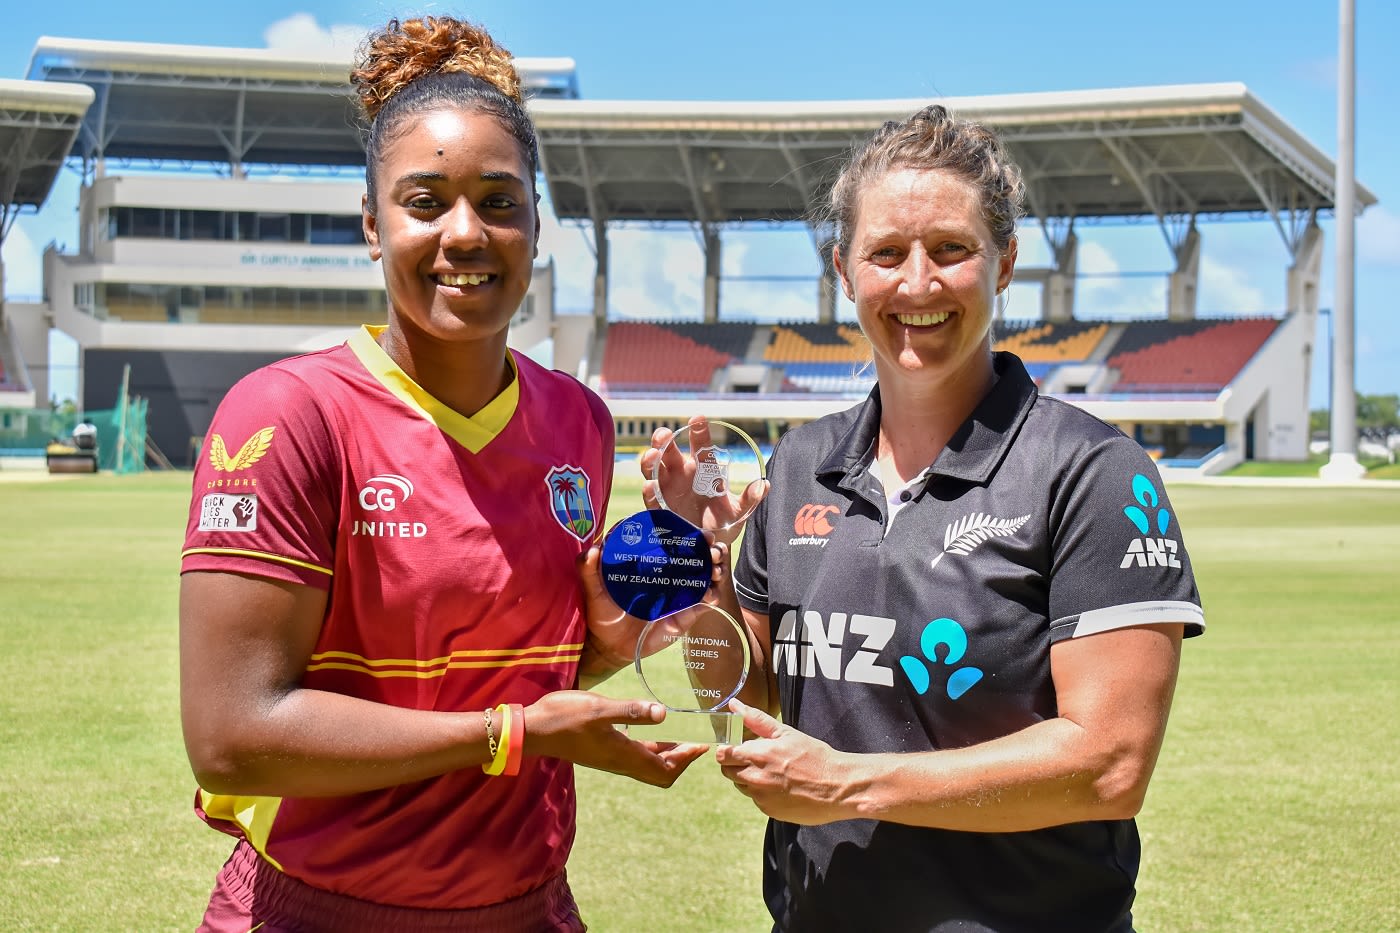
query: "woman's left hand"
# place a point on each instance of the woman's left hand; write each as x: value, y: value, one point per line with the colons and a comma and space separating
x: 788, y: 775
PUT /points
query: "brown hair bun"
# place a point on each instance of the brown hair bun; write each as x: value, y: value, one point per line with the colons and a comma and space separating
x: 403, y: 52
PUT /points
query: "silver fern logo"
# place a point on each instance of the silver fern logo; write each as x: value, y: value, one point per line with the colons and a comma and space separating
x: 971, y: 530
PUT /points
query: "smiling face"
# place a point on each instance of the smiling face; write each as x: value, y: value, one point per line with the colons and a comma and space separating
x: 924, y: 273
x: 455, y: 226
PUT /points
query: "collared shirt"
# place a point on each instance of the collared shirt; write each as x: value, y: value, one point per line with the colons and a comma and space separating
x: 448, y: 545
x: 1037, y: 523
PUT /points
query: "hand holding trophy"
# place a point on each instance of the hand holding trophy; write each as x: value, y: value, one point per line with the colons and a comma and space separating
x: 712, y: 486
x: 692, y: 655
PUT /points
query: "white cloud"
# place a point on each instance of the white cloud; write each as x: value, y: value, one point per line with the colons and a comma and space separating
x: 655, y: 274
x: 300, y: 32
x: 1105, y: 292
x: 24, y: 266
x: 573, y: 263
x: 1226, y: 289
x: 1378, y: 237
x: 1319, y: 72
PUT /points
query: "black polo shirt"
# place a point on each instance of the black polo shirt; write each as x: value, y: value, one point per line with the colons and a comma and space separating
x: 1038, y: 522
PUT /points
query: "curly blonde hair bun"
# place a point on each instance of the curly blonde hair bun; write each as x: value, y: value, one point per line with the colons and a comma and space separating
x: 403, y: 52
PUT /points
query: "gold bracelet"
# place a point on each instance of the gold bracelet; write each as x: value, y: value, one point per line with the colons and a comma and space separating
x: 490, y: 733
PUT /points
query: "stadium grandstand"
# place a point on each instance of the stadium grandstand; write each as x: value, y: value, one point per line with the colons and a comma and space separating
x: 218, y: 229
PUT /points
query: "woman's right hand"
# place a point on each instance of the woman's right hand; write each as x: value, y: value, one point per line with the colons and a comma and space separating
x: 579, y: 726
x: 722, y: 514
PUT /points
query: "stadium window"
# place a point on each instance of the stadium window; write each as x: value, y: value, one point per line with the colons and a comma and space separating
x: 205, y: 225
x: 147, y: 222
x: 297, y: 224
x: 244, y: 225
x: 335, y: 229
x: 272, y: 228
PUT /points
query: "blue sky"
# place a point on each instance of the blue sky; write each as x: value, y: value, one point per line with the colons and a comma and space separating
x: 817, y: 50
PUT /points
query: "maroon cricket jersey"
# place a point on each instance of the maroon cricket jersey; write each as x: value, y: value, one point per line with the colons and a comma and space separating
x: 448, y: 547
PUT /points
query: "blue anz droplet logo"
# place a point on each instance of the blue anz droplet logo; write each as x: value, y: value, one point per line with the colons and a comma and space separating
x: 1146, y: 513
x: 1146, y: 495
x: 949, y: 635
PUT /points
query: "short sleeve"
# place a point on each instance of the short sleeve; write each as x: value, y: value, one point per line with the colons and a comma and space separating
x: 607, y: 437
x: 266, y: 488
x: 1118, y: 558
x: 751, y: 565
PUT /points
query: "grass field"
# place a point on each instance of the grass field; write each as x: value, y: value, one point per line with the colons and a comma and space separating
x: 1275, y: 807
x: 1375, y: 467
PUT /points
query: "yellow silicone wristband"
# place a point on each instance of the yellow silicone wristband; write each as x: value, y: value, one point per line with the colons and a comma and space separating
x: 498, y: 763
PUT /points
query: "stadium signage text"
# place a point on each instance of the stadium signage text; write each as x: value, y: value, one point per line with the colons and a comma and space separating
x: 305, y: 261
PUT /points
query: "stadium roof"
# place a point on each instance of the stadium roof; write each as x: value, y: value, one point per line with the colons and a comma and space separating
x: 1194, y: 150
x: 38, y: 122
x: 1172, y: 153
x: 227, y: 105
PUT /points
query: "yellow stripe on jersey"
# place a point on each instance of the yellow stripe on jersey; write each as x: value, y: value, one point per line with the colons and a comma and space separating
x: 261, y: 555
x: 473, y: 433
x: 254, y: 815
x: 436, y: 667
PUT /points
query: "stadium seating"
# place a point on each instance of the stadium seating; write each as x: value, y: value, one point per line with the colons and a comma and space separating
x: 1148, y: 356
x: 823, y: 358
x: 1186, y: 356
x: 729, y: 338
x: 1044, y: 342
x: 641, y: 357
x: 817, y: 343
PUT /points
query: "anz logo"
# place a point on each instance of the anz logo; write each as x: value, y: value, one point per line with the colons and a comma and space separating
x: 814, y: 647
x: 1148, y: 515
x: 818, y: 647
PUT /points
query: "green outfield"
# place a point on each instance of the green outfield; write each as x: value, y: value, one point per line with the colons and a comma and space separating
x: 1275, y: 807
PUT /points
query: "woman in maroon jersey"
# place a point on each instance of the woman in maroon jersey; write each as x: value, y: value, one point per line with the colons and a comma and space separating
x: 380, y: 617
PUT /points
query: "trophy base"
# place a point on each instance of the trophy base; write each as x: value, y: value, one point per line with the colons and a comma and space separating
x: 688, y: 725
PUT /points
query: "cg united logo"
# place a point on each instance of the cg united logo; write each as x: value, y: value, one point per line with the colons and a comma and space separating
x: 379, y: 496
x: 381, y: 493
x: 811, y: 524
x: 1147, y: 514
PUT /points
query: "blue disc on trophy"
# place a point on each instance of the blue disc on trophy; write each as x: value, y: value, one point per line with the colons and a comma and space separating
x: 655, y: 563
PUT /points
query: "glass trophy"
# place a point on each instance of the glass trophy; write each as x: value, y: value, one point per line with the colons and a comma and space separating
x: 692, y: 656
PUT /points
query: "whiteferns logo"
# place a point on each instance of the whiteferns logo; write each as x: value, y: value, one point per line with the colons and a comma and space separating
x: 222, y: 511
x: 379, y: 496
x: 971, y: 530
x: 1146, y: 515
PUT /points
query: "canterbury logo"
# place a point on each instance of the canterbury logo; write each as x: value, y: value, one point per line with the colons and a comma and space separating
x: 249, y: 454
x: 811, y: 520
